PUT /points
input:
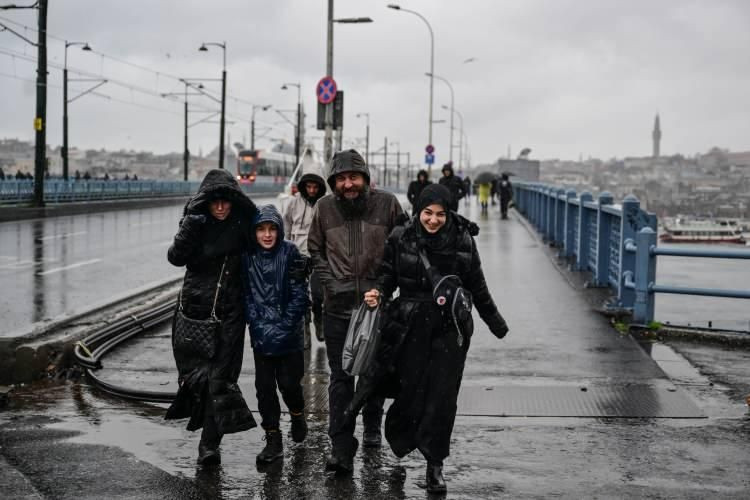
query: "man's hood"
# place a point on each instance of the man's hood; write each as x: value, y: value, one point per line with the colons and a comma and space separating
x: 310, y: 173
x: 347, y: 161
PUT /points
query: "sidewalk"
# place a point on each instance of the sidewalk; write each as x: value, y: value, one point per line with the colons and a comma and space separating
x: 570, y: 384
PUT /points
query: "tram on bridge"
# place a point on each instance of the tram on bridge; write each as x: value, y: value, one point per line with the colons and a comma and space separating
x: 264, y: 166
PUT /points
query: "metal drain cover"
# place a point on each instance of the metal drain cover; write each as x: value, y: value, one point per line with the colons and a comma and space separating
x: 626, y: 401
x: 621, y: 401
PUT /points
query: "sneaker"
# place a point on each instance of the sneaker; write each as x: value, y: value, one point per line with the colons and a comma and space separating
x: 299, y: 427
x: 274, y: 448
x: 341, y: 460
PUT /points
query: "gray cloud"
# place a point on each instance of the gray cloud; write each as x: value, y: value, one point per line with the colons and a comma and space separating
x: 562, y: 77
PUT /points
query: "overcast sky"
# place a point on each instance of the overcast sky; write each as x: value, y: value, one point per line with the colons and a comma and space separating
x: 563, y: 77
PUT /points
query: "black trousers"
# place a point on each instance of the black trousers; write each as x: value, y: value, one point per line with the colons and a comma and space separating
x: 285, y: 372
x: 316, y: 291
x: 341, y: 386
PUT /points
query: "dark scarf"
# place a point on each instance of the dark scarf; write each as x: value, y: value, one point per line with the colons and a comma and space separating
x: 225, y: 237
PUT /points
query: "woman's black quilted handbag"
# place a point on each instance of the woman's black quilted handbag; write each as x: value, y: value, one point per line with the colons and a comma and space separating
x: 197, y: 337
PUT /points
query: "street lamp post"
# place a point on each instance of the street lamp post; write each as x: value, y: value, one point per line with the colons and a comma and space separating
x: 367, y: 135
x: 264, y: 107
x: 328, y: 138
x: 298, y: 134
x: 432, y: 68
x: 460, y: 136
x: 451, y: 110
x: 85, y: 46
x: 204, y: 48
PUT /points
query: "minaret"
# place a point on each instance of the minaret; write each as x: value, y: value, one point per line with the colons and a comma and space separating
x: 656, y: 136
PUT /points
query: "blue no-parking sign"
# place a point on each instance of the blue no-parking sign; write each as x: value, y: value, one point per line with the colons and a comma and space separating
x: 326, y: 90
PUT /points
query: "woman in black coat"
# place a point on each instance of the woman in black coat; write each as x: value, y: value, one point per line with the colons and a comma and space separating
x: 429, y: 350
x: 212, y: 236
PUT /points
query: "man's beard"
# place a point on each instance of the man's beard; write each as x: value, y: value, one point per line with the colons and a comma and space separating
x: 354, y: 207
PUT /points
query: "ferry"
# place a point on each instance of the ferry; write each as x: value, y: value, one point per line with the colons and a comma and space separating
x: 701, y: 231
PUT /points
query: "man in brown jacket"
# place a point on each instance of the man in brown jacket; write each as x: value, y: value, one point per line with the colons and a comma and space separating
x: 346, y: 241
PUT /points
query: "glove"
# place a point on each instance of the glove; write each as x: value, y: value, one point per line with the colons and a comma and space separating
x: 190, y: 226
x: 197, y: 204
x: 499, y: 327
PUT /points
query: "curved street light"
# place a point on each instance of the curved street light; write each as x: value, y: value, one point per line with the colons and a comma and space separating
x: 460, y: 137
x: 451, y: 110
x: 204, y: 48
x: 85, y: 47
x: 432, y: 67
x: 298, y: 134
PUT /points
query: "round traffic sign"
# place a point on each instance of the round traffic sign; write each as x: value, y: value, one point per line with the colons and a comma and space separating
x: 326, y: 90
x: 429, y: 149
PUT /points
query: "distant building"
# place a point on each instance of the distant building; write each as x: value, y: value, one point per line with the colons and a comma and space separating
x: 656, y: 136
x: 527, y: 170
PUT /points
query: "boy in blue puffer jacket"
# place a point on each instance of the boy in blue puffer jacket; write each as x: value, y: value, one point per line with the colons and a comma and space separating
x: 275, y: 277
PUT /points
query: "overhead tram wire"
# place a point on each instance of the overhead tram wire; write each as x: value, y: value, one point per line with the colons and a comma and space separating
x: 125, y: 85
x: 128, y: 63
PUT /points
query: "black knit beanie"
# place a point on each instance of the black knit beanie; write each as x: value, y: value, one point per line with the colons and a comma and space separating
x: 431, y: 194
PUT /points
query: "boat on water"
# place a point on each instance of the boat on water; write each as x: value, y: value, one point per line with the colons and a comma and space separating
x: 681, y: 230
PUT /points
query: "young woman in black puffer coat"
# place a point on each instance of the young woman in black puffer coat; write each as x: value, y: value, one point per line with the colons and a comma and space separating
x: 431, y: 351
x: 213, y: 235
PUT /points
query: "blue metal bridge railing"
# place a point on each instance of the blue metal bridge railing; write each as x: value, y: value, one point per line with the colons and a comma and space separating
x: 60, y: 191
x: 615, y: 242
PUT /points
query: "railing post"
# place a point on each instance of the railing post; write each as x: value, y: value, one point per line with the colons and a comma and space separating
x: 550, y: 219
x: 603, y: 226
x: 583, y: 231
x: 629, y: 228
x: 560, y: 217
x: 645, y: 274
x: 569, y: 217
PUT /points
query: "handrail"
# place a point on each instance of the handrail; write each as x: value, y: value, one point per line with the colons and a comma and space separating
x: 61, y: 191
x: 616, y: 243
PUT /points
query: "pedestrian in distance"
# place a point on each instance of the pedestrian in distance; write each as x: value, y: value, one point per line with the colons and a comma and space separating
x: 484, y: 196
x: 212, y: 237
x: 467, y: 190
x: 2, y: 175
x: 297, y: 219
x: 426, y: 355
x: 493, y: 191
x: 505, y: 189
x: 274, y: 273
x: 346, y: 242
x: 416, y: 187
x: 454, y: 185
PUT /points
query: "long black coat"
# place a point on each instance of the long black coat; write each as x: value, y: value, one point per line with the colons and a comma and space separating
x: 427, y: 361
x: 204, y: 244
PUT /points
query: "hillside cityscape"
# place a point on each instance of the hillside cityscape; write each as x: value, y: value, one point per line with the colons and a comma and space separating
x: 713, y: 184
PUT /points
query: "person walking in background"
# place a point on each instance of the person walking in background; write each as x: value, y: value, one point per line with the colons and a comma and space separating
x: 213, y: 235
x: 297, y: 219
x: 484, y: 196
x: 416, y: 187
x: 467, y: 190
x: 505, y: 189
x: 435, y: 338
x: 274, y: 273
x: 346, y: 242
x: 454, y: 185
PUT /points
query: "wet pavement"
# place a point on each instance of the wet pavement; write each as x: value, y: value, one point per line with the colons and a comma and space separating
x: 66, y: 439
x: 59, y: 266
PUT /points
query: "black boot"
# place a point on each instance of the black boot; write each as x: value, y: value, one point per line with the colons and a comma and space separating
x: 434, y: 477
x: 371, y: 437
x: 299, y: 427
x: 274, y: 448
x: 208, y: 448
x: 341, y: 460
x: 318, y: 323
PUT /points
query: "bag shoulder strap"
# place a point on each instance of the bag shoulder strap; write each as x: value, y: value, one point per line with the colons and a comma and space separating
x: 216, y: 295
